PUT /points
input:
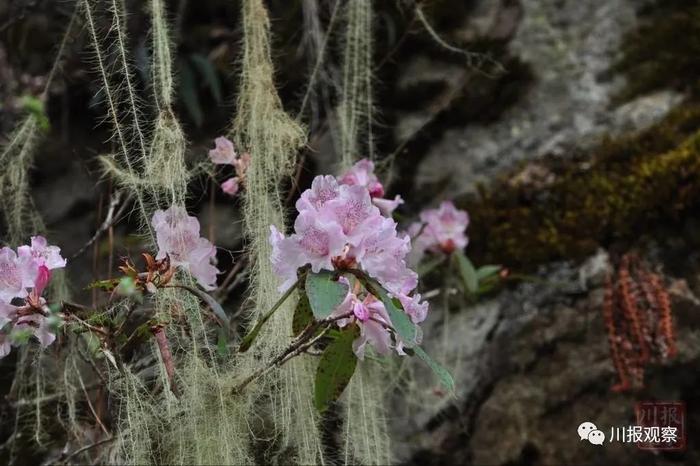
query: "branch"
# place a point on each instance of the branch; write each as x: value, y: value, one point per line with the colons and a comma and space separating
x: 304, y: 341
x: 88, y: 447
x: 166, y: 355
x: 112, y: 216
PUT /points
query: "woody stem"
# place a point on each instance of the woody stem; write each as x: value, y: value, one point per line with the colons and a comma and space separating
x: 165, y: 355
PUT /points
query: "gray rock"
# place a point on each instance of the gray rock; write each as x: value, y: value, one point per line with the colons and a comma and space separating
x: 570, y: 45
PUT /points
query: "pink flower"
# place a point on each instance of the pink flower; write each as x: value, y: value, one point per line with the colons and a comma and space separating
x: 371, y: 316
x: 441, y: 229
x: 339, y: 227
x: 381, y: 254
x: 362, y: 174
x: 286, y: 258
x: 315, y: 242
x: 42, y: 279
x: 360, y: 311
x: 413, y: 306
x: 16, y: 275
x: 177, y: 235
x: 8, y: 312
x: 42, y: 253
x: 323, y: 189
x: 373, y: 331
x: 230, y: 186
x: 387, y: 206
x: 223, y: 153
x: 353, y: 211
x: 5, y: 345
x: 39, y: 326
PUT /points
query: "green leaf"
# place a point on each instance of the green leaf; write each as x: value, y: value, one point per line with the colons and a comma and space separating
x: 487, y: 271
x: 325, y: 294
x: 335, y: 369
x: 208, y: 72
x: 443, y: 374
x: 302, y: 315
x: 407, y: 330
x: 467, y: 272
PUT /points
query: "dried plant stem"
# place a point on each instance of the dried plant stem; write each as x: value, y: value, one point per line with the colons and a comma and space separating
x: 165, y: 355
x: 111, y: 218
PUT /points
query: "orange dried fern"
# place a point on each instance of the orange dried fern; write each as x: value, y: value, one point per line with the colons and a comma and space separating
x: 637, y: 315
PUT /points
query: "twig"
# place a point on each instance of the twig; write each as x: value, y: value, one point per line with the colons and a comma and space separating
x: 305, y: 340
x: 165, y: 354
x: 88, y: 447
x: 222, y: 290
x: 108, y: 221
x: 87, y: 398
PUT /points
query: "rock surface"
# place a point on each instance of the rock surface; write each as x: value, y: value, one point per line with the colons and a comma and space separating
x: 533, y: 363
x: 569, y: 46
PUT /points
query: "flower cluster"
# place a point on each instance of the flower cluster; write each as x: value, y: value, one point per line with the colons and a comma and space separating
x: 225, y: 154
x: 362, y: 174
x: 339, y: 227
x: 440, y: 230
x: 177, y: 235
x: 23, y: 277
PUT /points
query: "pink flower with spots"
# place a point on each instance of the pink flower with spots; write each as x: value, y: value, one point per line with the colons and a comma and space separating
x: 440, y: 230
x: 15, y: 276
x: 177, y: 235
x: 42, y: 253
x: 353, y: 211
x: 24, y: 276
x: 314, y: 243
x: 340, y: 227
x: 323, y: 189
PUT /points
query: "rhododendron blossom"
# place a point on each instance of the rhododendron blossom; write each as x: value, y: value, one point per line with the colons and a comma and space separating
x: 230, y: 186
x: 225, y: 154
x: 42, y: 253
x: 440, y: 230
x: 24, y: 275
x: 19, y: 270
x: 340, y: 228
x: 371, y: 316
x: 177, y: 235
x: 362, y: 174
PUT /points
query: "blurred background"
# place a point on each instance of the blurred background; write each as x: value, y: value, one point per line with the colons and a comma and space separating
x: 568, y: 129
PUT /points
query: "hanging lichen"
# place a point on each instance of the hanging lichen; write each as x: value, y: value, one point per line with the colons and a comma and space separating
x: 354, y: 125
x: 272, y: 138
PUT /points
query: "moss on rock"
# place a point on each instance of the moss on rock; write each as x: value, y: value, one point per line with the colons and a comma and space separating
x: 624, y: 188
